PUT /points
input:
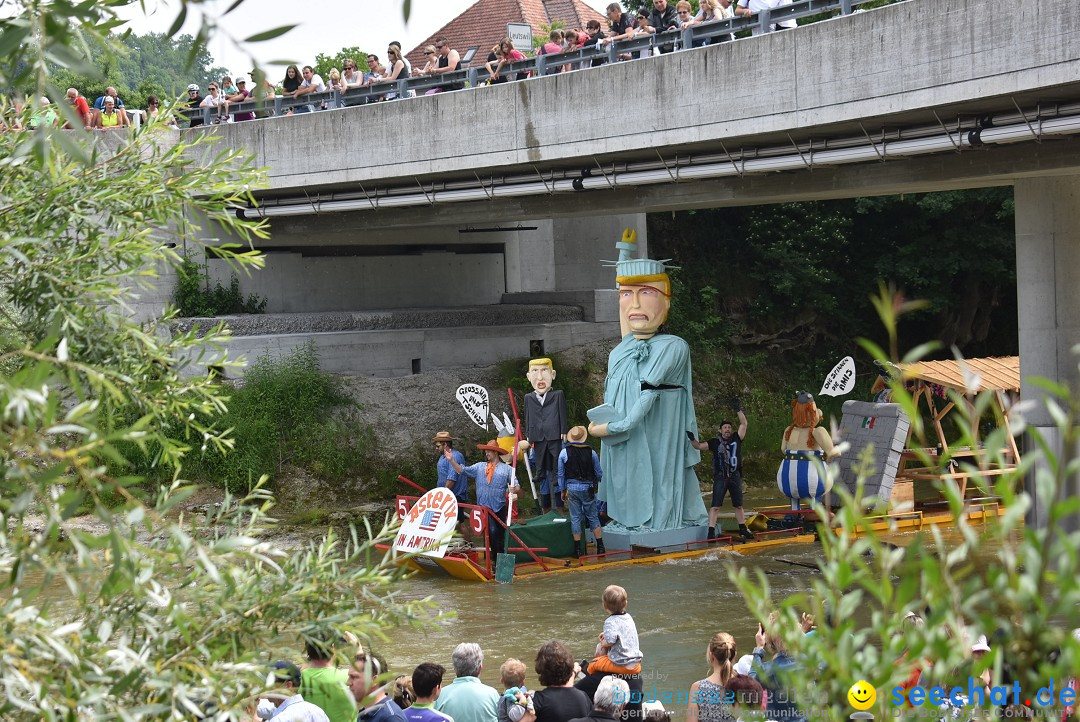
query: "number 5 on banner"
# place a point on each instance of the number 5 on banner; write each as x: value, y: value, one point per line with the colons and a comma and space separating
x: 402, y: 508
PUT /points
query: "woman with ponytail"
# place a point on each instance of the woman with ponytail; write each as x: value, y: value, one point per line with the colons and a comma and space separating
x: 707, y: 696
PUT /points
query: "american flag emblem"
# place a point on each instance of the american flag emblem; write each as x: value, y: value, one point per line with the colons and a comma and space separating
x: 430, y: 520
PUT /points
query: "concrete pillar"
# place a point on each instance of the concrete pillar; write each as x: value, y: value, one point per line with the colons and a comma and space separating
x: 1048, y: 296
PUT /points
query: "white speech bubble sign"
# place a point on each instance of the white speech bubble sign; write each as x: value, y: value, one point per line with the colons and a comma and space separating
x: 841, y: 380
x: 474, y: 399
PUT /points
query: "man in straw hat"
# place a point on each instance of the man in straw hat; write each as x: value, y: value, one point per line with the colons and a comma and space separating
x: 450, y: 478
x: 648, y: 408
x: 579, y: 476
x: 493, y: 479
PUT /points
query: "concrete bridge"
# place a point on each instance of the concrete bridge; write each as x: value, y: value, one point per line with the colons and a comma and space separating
x: 512, y: 193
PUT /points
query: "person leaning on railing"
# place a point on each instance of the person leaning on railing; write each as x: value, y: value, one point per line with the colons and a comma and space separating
x: 395, y: 70
x: 448, y: 61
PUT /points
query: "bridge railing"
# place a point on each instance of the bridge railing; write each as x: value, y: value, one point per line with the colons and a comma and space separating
x: 642, y: 46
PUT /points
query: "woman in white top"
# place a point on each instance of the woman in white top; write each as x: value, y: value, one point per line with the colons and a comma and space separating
x: 216, y: 100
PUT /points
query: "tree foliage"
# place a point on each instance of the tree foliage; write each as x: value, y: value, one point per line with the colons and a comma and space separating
x: 154, y: 612
x: 797, y: 275
x: 324, y: 63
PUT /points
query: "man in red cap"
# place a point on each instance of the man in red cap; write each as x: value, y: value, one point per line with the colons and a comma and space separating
x: 493, y: 479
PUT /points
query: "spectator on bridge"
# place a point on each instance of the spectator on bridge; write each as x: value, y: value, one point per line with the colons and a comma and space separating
x: 194, y: 100
x: 109, y: 117
x: 642, y: 27
x: 495, y: 60
x: 397, y: 70
x: 214, y: 100
x: 375, y: 74
x: 291, y: 82
x: 241, y: 95
x: 350, y: 76
x: 448, y: 61
x: 397, y: 48
x: 554, y: 46
x: 228, y: 88
x: 432, y: 57
x: 746, y: 8
x: 110, y: 91
x: 664, y: 18
x: 595, y: 38
x: 82, y: 110
x: 714, y: 11
x: 312, y: 83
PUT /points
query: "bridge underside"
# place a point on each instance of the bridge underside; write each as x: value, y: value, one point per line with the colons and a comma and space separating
x: 968, y: 168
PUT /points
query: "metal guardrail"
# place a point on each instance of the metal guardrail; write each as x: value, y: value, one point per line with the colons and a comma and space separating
x: 644, y: 46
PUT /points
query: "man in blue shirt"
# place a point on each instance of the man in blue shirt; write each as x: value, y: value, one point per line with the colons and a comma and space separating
x: 450, y: 478
x: 493, y: 480
x: 579, y: 475
x: 110, y: 92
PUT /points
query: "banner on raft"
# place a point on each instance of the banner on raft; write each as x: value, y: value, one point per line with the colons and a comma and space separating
x: 429, y: 524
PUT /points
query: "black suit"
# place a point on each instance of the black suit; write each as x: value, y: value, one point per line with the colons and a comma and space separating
x: 545, y: 425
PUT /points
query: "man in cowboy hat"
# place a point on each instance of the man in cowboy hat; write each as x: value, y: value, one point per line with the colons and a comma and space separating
x: 493, y: 478
x: 579, y: 475
x: 450, y: 478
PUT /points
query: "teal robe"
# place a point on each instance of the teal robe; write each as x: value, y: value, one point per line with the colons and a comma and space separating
x: 648, y: 462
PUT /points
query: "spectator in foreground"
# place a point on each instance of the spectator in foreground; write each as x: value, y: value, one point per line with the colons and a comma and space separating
x: 82, y: 109
x: 404, y: 694
x: 707, y: 702
x: 559, y: 700
x: 374, y: 703
x: 294, y: 708
x: 610, y: 698
x: 746, y: 8
x: 468, y: 699
x: 772, y: 673
x: 324, y: 685
x: 746, y: 695
x: 448, y: 61
x: 617, y: 651
x: 427, y: 683
x: 516, y: 698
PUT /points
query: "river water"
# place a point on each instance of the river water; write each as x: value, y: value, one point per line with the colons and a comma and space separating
x: 677, y: 605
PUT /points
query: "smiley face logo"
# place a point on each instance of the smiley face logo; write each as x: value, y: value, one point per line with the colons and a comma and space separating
x: 862, y: 695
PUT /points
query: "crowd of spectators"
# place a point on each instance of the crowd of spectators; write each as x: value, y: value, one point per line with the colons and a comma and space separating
x: 107, y: 112
x: 760, y: 685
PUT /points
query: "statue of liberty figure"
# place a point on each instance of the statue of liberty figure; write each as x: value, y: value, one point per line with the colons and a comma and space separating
x: 648, y: 460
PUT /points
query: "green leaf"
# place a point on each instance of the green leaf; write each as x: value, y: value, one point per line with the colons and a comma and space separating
x: 269, y: 34
x: 181, y: 18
